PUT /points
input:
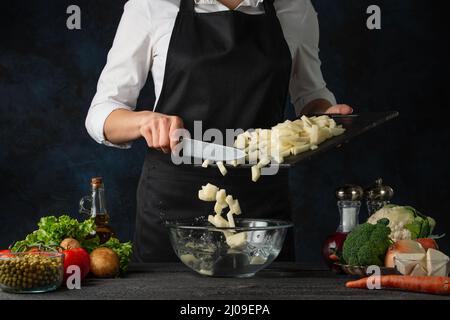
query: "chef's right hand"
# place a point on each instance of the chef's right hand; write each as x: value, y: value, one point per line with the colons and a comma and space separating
x: 159, y: 130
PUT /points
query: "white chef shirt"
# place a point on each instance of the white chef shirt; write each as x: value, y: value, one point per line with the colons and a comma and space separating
x: 142, y: 42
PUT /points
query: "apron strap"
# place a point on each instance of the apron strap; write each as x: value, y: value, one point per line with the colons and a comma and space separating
x: 187, y: 6
x: 269, y: 7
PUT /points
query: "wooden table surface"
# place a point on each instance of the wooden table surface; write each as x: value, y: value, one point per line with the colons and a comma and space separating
x: 282, y: 281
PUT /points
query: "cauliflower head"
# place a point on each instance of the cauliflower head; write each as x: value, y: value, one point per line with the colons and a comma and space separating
x: 405, y: 222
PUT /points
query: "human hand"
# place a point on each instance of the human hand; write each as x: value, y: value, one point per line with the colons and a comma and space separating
x: 340, y: 109
x: 159, y: 130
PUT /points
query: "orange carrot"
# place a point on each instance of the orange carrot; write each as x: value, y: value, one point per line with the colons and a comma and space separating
x: 434, y: 285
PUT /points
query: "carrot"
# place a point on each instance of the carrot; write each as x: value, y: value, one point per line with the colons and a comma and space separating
x: 434, y: 285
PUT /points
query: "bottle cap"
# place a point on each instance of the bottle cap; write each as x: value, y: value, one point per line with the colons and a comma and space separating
x: 379, y: 192
x: 349, y: 192
x: 96, y: 182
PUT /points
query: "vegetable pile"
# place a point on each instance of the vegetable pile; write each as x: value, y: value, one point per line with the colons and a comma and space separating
x: 368, y: 243
x: 69, y: 233
x: 399, y: 237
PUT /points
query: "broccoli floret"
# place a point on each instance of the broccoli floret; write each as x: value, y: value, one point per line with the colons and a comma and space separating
x: 366, y: 257
x: 367, y: 244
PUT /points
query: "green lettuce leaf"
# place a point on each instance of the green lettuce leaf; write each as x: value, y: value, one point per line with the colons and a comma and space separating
x: 123, y: 250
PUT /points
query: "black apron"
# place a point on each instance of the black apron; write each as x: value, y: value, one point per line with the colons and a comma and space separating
x: 229, y: 70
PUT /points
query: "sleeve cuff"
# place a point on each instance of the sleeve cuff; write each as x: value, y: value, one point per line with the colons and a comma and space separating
x: 95, y: 123
x: 324, y: 93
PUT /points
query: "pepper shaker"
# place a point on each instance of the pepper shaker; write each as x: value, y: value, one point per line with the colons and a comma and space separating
x: 377, y: 196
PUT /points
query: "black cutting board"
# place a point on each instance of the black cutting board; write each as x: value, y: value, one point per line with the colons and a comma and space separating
x: 355, y: 126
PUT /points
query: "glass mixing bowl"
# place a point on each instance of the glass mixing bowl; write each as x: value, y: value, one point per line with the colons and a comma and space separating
x: 33, y: 272
x: 228, y: 252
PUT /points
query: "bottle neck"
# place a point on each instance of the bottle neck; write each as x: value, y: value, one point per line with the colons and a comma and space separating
x: 98, y: 201
x: 349, y: 212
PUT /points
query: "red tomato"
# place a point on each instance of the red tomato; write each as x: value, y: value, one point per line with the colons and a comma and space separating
x: 428, y: 243
x: 5, y: 254
x: 78, y: 257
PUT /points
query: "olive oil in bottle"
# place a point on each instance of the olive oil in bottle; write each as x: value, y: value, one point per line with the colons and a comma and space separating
x: 98, y: 211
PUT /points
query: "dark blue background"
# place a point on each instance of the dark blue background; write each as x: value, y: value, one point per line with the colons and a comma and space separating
x: 48, y: 77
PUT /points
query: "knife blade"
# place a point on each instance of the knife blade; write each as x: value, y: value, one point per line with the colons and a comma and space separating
x: 210, y: 151
x: 333, y: 115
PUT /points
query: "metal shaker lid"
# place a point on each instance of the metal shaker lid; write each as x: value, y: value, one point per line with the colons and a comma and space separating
x: 379, y: 191
x: 349, y: 192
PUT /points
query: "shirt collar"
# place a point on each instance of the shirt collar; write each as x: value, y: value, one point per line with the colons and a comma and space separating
x: 244, y: 3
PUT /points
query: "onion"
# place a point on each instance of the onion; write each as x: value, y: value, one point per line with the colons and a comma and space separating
x: 105, y: 263
x: 401, y: 246
x: 70, y: 243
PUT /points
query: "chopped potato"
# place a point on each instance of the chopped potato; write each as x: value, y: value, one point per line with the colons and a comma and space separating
x: 231, y: 220
x: 235, y: 207
x: 222, y: 168
x: 208, y: 193
x: 206, y: 163
x: 263, y: 162
x: 218, y: 221
x: 256, y: 173
x: 286, y: 139
x: 237, y: 241
x: 221, y: 196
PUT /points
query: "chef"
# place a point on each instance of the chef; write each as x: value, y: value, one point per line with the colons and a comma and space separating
x: 226, y: 63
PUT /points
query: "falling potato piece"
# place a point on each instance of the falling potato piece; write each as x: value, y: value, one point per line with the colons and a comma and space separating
x: 206, y: 163
x: 263, y: 162
x: 233, y: 163
x: 235, y: 208
x: 222, y: 168
x: 208, y: 193
x: 256, y: 173
x: 221, y: 196
x: 219, y: 206
x: 230, y: 218
x: 218, y: 221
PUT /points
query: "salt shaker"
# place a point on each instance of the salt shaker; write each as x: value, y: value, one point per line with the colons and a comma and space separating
x: 349, y: 203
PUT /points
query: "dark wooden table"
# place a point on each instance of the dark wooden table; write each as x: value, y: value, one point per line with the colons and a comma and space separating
x: 176, y: 282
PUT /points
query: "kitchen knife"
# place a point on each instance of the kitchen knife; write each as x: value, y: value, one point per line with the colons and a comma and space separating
x: 210, y: 151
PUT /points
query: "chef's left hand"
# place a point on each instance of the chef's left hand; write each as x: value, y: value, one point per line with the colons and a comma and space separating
x: 322, y: 106
x: 340, y: 109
